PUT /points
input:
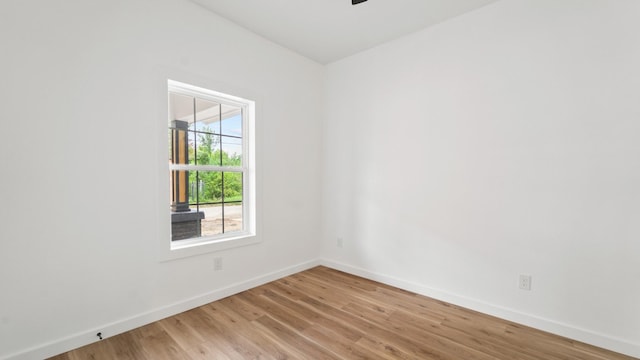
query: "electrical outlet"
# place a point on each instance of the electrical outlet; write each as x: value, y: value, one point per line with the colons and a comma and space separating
x: 525, y: 282
x: 339, y: 242
x: 217, y: 264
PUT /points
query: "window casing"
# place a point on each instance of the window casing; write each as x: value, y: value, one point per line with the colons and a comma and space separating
x: 211, y: 170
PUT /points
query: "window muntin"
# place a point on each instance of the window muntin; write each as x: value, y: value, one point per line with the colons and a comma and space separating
x: 210, y: 172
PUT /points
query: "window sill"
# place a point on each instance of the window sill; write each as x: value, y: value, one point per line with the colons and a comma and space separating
x: 185, y: 248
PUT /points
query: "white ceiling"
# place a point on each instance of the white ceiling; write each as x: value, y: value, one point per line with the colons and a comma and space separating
x: 329, y: 30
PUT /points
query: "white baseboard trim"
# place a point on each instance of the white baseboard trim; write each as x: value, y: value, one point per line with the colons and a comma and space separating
x: 87, y: 337
x: 590, y: 337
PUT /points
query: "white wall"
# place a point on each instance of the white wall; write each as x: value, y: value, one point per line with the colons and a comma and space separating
x: 501, y: 142
x: 83, y: 101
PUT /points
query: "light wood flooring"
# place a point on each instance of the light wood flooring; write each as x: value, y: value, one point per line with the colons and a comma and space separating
x: 322, y: 313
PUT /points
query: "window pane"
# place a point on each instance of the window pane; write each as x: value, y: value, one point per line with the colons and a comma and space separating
x: 206, y: 130
x: 232, y: 217
x: 207, y: 113
x: 232, y: 186
x: 207, y: 116
x: 206, y: 187
x: 232, y: 201
x: 180, y: 108
x: 232, y: 121
x: 192, y: 147
x: 186, y: 220
x: 180, y: 116
x: 186, y: 224
x: 231, y: 151
x: 179, y: 142
x: 209, y: 201
x: 212, y: 222
x: 207, y: 149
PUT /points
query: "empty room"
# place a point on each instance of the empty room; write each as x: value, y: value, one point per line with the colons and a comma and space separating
x: 320, y: 179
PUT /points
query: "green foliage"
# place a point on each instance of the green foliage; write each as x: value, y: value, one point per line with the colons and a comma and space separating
x: 207, y: 186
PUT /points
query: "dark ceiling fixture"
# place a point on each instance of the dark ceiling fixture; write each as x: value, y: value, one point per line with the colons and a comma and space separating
x: 356, y: 2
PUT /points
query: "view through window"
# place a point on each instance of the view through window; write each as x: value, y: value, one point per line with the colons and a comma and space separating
x: 208, y: 164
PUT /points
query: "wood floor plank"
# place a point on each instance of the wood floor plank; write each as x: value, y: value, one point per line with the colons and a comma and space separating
x: 244, y: 308
x: 156, y: 343
x: 208, y: 350
x: 275, y: 310
x: 344, y: 347
x: 127, y: 347
x: 317, y: 290
x: 236, y: 334
x: 324, y: 313
x: 93, y: 352
x: 183, y: 334
x: 235, y: 324
x: 287, y: 335
x: 339, y: 328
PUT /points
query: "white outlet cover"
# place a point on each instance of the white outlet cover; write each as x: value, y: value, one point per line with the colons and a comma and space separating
x: 524, y: 282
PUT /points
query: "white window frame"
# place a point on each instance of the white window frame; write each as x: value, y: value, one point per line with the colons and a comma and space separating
x: 199, y: 245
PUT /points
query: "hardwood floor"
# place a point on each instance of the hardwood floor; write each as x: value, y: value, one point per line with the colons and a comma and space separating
x: 322, y: 313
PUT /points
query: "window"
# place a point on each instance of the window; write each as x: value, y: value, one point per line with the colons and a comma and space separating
x: 210, y: 167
